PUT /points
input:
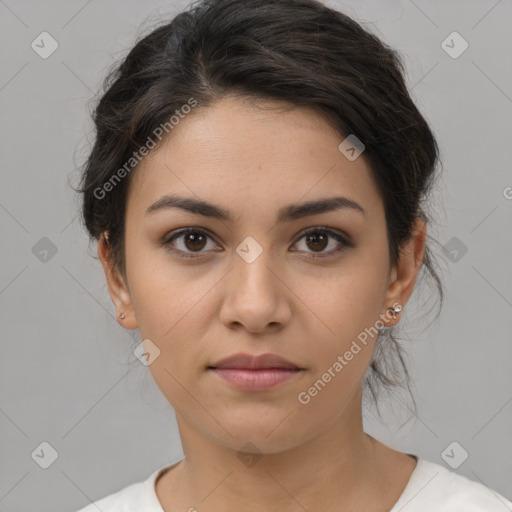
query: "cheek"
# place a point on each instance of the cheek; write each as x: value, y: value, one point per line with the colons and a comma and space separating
x: 165, y: 295
x: 172, y: 311
x: 345, y: 301
x: 175, y: 310
x: 349, y: 307
x: 344, y: 326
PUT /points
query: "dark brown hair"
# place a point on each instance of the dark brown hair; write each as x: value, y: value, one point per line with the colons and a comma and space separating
x: 299, y: 51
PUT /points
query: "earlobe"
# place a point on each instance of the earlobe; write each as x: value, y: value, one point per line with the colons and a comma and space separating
x: 406, y: 271
x: 117, y: 288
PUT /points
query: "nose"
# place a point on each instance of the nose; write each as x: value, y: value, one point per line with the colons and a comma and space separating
x: 256, y: 295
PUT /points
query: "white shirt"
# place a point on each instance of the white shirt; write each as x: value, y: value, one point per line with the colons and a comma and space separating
x: 431, y: 488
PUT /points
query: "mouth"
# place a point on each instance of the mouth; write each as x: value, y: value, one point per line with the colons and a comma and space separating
x: 249, y: 362
x: 255, y: 373
x: 255, y: 379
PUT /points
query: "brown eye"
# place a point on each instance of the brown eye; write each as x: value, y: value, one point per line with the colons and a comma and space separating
x: 194, y: 241
x: 186, y: 242
x: 317, y: 239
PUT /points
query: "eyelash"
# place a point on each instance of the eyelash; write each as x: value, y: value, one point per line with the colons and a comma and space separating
x: 344, y: 242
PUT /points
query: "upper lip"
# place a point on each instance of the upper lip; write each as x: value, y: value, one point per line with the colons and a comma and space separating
x: 249, y: 361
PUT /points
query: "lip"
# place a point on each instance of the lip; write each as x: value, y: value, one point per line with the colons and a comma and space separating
x: 256, y: 380
x: 244, y: 361
x: 255, y: 373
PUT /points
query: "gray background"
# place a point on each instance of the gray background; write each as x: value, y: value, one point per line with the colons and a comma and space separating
x: 68, y: 376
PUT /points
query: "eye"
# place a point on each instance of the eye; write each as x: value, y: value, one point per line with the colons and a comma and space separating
x: 193, y: 240
x: 318, y: 239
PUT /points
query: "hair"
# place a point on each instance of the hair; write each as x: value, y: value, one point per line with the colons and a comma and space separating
x: 297, y: 51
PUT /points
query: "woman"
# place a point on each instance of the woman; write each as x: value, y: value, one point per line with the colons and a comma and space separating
x: 256, y: 190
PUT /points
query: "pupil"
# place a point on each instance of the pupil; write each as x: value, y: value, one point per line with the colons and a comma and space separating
x: 195, y: 239
x: 315, y: 239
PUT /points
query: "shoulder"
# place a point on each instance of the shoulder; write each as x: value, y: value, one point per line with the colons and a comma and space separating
x: 116, y: 502
x: 124, y: 500
x: 434, y: 487
x: 133, y: 498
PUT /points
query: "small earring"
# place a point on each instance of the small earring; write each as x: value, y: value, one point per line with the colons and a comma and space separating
x: 395, y: 309
x: 122, y: 315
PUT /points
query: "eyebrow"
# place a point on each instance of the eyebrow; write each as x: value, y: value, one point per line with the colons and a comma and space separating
x: 285, y: 214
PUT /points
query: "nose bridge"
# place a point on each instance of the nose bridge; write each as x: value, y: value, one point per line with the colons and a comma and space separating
x: 255, y: 298
x: 254, y: 263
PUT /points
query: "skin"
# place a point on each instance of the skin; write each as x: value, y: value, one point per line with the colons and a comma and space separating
x: 253, y: 161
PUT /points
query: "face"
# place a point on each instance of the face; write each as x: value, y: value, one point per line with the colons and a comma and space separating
x: 255, y: 281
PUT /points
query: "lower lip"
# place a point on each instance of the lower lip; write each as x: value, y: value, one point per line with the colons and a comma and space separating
x: 255, y: 380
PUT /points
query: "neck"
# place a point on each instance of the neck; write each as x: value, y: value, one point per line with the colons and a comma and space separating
x: 341, y: 465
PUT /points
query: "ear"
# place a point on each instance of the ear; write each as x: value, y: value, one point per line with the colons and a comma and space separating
x: 117, y: 288
x: 404, y: 273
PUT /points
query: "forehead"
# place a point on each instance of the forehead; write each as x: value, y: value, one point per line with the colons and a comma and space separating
x: 251, y: 156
